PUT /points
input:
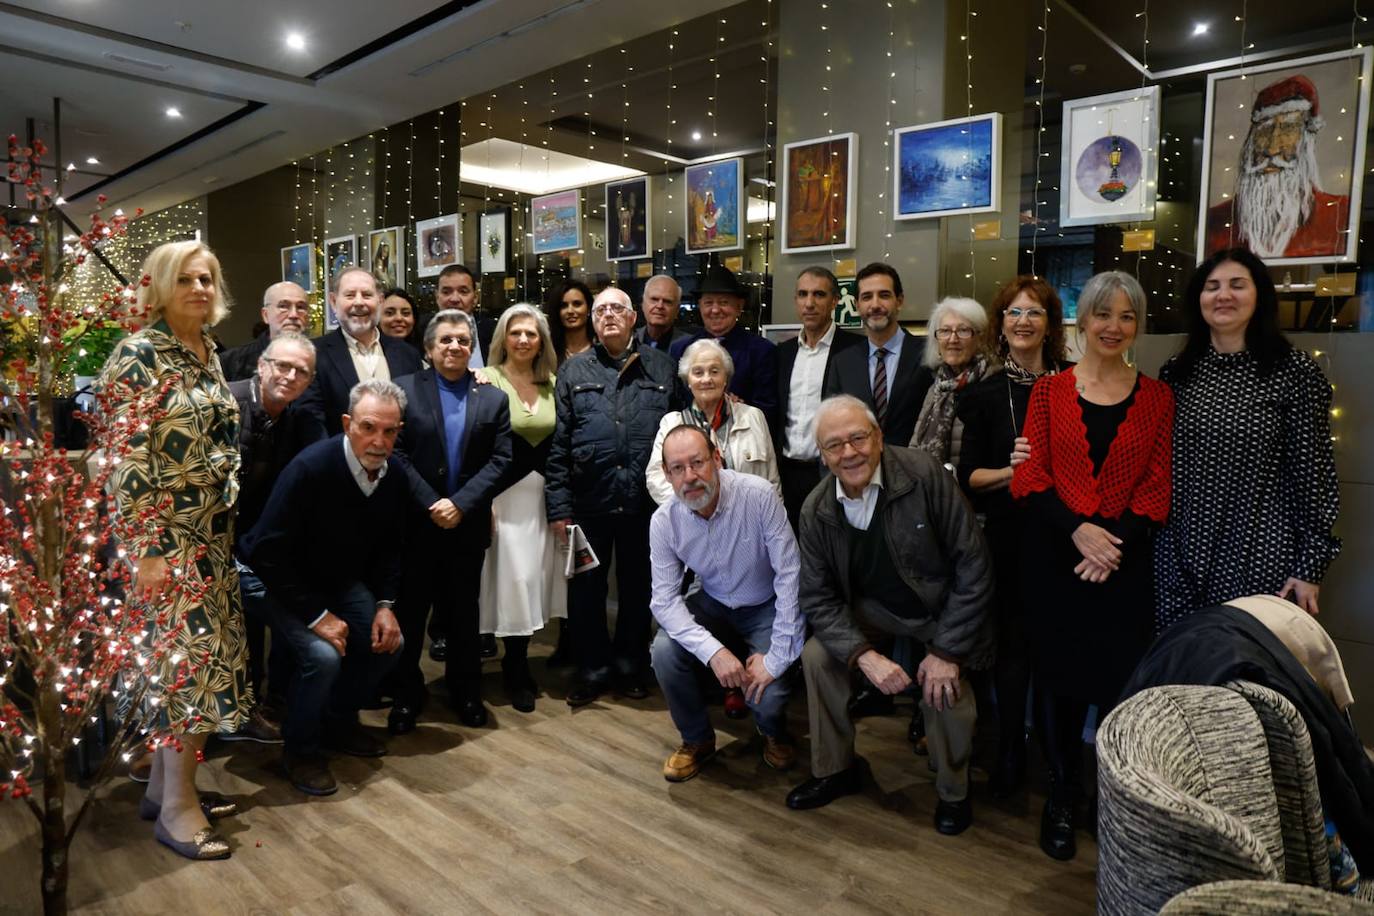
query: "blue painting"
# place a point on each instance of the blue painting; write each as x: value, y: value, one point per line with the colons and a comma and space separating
x: 948, y: 167
x: 298, y: 265
x: 715, y: 195
x: 1109, y: 168
x: 557, y: 221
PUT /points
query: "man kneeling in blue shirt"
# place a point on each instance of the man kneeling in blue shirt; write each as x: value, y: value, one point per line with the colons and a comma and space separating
x: 731, y: 530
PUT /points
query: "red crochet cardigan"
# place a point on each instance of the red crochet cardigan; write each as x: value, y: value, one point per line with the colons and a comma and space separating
x: 1135, y: 475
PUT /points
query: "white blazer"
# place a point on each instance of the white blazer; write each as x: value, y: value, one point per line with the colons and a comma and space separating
x: 747, y: 448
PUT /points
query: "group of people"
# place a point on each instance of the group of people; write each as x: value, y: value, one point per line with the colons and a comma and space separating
x: 963, y: 516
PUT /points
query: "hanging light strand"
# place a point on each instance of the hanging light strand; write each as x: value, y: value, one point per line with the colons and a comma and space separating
x: 885, y: 214
x: 969, y: 14
x: 667, y: 173
x: 769, y: 186
x: 1039, y: 134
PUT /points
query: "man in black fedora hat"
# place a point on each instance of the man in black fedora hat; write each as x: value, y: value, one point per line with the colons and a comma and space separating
x: 720, y: 299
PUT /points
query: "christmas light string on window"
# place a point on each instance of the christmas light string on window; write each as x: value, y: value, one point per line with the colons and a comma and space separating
x: 515, y: 236
x: 667, y: 168
x: 887, y: 218
x: 769, y: 185
x: 296, y: 223
x: 1036, y: 228
x: 826, y: 106
x: 967, y: 38
x: 439, y: 163
x: 1144, y: 16
x: 386, y: 179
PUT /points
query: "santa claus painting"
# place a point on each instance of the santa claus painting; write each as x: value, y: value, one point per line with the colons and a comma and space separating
x: 1287, y: 195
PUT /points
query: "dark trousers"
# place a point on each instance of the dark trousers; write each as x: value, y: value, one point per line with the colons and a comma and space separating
x: 626, y: 538
x: 1012, y: 674
x: 798, y: 479
x: 443, y: 573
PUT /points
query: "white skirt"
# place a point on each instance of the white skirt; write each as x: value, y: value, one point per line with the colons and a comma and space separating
x: 523, y: 586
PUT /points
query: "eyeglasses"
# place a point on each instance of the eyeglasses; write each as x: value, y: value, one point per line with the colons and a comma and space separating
x: 859, y: 441
x: 464, y: 342
x: 288, y: 369
x: 301, y: 307
x: 1032, y: 313
x: 963, y: 332
x: 696, y: 464
x: 611, y: 308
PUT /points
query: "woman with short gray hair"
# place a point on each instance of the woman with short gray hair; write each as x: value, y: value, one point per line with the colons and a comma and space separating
x: 958, y: 359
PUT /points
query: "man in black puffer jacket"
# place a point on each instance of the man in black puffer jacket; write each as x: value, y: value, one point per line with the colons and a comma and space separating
x: 610, y: 400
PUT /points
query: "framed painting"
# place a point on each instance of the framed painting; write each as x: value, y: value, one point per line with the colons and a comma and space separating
x: 557, y: 221
x: 947, y: 167
x: 818, y: 193
x: 627, y: 219
x: 715, y: 206
x: 298, y: 265
x: 494, y: 236
x: 1111, y: 149
x: 386, y: 255
x: 1283, y: 157
x: 437, y: 244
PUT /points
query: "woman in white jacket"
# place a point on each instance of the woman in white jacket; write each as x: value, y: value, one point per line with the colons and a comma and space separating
x: 739, y: 431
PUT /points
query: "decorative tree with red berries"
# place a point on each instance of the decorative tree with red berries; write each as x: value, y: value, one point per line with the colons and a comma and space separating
x: 73, y: 641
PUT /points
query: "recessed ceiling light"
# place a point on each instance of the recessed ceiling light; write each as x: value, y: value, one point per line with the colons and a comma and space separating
x: 91, y: 160
x: 295, y: 41
x: 173, y: 113
x: 1200, y: 29
x: 696, y: 135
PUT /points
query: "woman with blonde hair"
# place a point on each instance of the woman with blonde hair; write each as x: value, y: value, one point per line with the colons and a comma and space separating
x: 182, y: 473
x: 523, y: 587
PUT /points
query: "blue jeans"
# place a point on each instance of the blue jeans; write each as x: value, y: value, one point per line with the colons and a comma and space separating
x: 327, y: 689
x: 677, y: 669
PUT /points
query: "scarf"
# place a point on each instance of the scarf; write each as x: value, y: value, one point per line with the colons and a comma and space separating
x: 935, y: 424
x: 716, y: 426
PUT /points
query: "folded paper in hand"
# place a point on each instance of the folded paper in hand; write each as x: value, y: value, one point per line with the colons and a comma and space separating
x: 580, y: 556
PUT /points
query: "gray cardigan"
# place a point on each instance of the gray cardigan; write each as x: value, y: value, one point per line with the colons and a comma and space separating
x: 936, y: 545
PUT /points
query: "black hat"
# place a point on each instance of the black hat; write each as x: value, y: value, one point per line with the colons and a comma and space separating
x: 721, y: 280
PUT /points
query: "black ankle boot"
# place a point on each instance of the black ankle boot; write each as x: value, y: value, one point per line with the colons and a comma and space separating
x: 1056, y: 830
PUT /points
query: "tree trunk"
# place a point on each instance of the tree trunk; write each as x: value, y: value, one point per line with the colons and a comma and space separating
x: 55, y: 837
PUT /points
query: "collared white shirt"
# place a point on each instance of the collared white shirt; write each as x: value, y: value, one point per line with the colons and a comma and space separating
x: 859, y: 510
x: 475, y: 357
x: 805, y: 397
x: 355, y: 467
x: 370, y: 362
x: 894, y: 353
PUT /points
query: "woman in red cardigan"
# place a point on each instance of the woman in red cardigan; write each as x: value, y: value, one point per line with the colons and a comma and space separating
x: 1093, y: 485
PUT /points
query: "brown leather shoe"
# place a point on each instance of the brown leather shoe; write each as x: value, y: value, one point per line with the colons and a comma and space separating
x: 687, y: 760
x: 779, y: 753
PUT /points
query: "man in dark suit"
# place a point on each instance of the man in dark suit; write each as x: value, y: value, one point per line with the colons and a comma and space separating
x: 456, y: 441
x: 328, y: 549
x: 285, y: 307
x: 802, y: 366
x: 720, y: 299
x: 355, y: 351
x: 458, y: 289
x: 893, y: 383
x: 662, y: 297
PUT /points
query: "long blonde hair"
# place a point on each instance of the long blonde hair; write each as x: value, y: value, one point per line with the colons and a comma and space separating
x: 546, y: 362
x: 161, y: 268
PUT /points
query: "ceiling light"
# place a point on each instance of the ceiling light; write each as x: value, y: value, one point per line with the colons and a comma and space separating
x: 295, y: 41
x: 696, y: 135
x: 1200, y: 29
x: 91, y: 160
x: 173, y: 113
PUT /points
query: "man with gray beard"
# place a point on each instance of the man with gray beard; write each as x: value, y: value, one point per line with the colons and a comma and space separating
x: 1278, y: 209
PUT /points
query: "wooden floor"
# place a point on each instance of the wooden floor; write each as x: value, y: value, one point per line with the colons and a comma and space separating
x: 564, y: 812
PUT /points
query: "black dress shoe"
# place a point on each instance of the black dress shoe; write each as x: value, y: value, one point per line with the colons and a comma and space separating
x: 821, y: 791
x: 585, y: 692
x: 354, y: 742
x: 522, y: 693
x: 632, y: 687
x: 309, y: 773
x: 1056, y: 831
x: 953, y: 818
x: 489, y: 649
x: 472, y: 713
x: 870, y: 701
x: 401, y: 720
x: 438, y: 649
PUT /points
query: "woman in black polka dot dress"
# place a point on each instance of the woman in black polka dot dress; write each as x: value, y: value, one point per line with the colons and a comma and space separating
x: 1254, y: 477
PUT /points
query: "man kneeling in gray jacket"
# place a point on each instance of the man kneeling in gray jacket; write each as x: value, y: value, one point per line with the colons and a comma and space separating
x: 889, y: 546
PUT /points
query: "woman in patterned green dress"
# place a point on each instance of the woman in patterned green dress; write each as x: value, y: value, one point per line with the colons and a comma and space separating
x: 181, y: 475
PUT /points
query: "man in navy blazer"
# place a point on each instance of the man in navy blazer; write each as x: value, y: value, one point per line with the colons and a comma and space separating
x: 456, y: 442
x: 855, y: 371
x: 355, y: 351
x: 802, y: 366
x: 720, y: 300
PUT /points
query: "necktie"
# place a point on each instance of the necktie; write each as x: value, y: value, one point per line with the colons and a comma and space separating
x: 880, y: 385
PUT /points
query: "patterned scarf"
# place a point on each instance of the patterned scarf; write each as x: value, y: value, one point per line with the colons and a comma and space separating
x: 1025, y: 376
x: 716, y: 426
x: 935, y: 424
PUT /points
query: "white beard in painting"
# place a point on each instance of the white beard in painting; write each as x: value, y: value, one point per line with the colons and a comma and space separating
x: 1271, y: 206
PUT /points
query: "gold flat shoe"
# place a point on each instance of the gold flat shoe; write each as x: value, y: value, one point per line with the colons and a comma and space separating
x: 205, y: 845
x: 213, y: 805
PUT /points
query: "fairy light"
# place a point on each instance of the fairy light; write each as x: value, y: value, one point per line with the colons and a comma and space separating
x: 386, y: 177
x: 886, y: 216
x: 515, y: 236
x: 770, y: 194
x: 667, y: 172
x: 1036, y: 228
x: 296, y: 229
x: 967, y: 38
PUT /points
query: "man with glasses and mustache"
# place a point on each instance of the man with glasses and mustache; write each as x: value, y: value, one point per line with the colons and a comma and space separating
x: 1279, y: 208
x: 356, y: 351
x: 891, y: 548
x: 610, y: 400
x: 731, y: 529
x: 286, y: 310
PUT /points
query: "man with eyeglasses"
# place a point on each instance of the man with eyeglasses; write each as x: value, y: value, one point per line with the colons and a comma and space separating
x: 610, y: 400
x: 271, y: 433
x: 731, y: 530
x: 285, y: 309
x: 891, y: 549
x: 457, y: 446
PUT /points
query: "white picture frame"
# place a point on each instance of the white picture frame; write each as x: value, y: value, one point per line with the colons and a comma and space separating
x: 1116, y: 126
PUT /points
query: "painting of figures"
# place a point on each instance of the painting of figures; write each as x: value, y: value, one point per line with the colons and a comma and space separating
x: 818, y: 198
x: 715, y: 215
x: 557, y: 221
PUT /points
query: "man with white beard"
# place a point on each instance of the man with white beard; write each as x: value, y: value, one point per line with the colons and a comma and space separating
x: 354, y: 352
x: 1279, y: 209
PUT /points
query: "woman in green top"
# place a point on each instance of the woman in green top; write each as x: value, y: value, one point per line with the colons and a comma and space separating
x: 522, y: 579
